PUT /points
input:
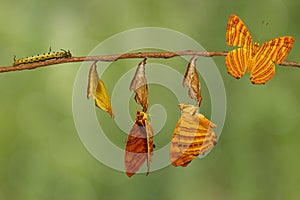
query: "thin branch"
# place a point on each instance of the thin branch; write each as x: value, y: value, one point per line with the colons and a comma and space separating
x: 112, y: 58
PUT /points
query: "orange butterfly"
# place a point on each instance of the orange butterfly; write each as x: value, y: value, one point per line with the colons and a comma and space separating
x: 258, y: 60
x: 139, y: 145
x: 192, y: 136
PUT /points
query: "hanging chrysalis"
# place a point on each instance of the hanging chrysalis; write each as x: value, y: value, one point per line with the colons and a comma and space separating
x: 192, y: 136
x: 191, y: 80
x: 139, y: 145
x: 139, y: 85
x: 96, y: 89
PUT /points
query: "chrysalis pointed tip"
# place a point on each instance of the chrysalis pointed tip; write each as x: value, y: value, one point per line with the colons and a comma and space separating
x: 110, y: 112
x: 129, y: 174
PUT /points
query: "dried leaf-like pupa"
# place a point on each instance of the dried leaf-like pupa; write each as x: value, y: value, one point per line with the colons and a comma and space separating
x: 191, y: 80
x: 139, y: 85
x: 93, y: 79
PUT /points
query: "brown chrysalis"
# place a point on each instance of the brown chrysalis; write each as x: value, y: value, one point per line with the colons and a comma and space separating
x: 139, y: 85
x: 191, y: 80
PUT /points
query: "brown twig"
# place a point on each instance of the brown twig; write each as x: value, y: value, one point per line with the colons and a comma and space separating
x: 111, y: 58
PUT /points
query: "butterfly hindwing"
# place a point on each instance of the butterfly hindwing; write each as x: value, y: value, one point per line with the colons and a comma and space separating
x: 237, y: 61
x: 264, y: 74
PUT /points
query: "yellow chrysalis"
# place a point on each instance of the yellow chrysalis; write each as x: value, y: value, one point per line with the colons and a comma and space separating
x: 96, y: 89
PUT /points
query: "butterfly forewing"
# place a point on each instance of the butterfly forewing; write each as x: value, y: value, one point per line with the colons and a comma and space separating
x: 275, y: 50
x: 237, y: 33
x: 139, y: 145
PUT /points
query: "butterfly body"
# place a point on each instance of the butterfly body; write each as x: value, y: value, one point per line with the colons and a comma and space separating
x: 258, y: 60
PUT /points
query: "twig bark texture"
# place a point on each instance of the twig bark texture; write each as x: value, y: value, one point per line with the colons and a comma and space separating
x: 112, y: 58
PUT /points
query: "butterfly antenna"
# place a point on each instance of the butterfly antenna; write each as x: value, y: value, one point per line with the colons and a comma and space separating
x: 50, y: 49
x: 149, y: 115
x: 14, y: 57
x: 264, y: 28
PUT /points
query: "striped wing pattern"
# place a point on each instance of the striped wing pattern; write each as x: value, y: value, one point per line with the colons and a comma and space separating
x: 237, y: 33
x: 273, y: 51
x: 258, y: 60
x: 139, y: 145
x: 237, y: 61
x: 192, y: 136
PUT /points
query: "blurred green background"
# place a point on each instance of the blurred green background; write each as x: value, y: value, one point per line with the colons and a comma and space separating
x: 41, y: 155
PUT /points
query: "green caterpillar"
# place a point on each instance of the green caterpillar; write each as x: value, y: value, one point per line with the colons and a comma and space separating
x: 43, y: 57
